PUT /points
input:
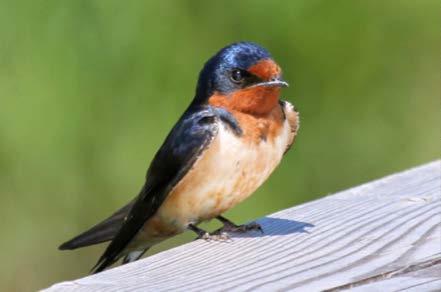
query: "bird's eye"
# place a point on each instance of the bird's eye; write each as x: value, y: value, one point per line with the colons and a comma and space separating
x: 237, y: 76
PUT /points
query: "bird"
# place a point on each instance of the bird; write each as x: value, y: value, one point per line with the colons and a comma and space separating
x: 225, y: 145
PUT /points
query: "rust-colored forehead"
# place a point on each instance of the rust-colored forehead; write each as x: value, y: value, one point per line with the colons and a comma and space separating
x: 265, y: 69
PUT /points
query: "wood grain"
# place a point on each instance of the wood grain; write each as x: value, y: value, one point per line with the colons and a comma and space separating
x: 384, y: 235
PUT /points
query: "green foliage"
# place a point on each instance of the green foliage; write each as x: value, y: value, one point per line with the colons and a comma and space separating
x: 89, y: 90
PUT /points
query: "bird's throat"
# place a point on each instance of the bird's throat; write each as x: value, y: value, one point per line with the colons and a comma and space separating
x: 260, y: 100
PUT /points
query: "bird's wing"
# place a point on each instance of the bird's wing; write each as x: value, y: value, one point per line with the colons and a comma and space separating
x: 185, y: 143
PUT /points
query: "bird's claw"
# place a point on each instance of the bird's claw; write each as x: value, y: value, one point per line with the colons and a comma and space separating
x: 253, y: 226
x: 222, y: 234
x: 215, y: 236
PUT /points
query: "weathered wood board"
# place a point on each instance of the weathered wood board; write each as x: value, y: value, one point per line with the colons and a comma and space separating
x: 381, y: 236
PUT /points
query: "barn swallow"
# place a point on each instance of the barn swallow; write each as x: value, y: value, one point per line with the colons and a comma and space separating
x: 226, y: 144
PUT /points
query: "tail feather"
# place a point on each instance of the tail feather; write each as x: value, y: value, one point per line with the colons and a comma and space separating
x: 105, y: 262
x: 103, y: 231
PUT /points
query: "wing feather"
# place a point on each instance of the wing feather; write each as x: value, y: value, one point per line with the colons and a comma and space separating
x: 185, y: 143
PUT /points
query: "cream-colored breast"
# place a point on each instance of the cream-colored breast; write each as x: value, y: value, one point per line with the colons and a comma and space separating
x: 229, y: 171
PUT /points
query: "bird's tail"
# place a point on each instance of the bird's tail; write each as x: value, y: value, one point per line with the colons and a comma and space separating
x: 103, y: 231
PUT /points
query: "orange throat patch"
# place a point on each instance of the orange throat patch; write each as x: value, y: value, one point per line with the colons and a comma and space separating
x: 257, y: 111
x: 258, y: 100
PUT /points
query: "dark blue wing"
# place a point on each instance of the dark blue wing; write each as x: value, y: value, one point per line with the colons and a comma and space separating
x: 185, y: 143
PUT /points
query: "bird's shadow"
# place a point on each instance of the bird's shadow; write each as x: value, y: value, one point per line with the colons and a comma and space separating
x: 277, y: 226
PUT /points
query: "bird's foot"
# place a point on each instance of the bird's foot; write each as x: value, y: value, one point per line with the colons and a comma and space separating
x: 202, y: 234
x: 216, y: 236
x: 231, y: 227
x: 253, y: 226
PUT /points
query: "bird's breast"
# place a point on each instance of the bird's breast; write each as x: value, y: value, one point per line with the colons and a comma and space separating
x: 230, y: 170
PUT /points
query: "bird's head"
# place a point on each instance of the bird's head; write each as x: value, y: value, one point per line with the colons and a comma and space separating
x: 243, y: 77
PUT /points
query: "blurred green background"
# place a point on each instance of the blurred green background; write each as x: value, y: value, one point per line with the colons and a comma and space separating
x: 89, y: 89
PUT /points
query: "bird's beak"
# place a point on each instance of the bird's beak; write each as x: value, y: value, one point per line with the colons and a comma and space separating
x: 276, y: 82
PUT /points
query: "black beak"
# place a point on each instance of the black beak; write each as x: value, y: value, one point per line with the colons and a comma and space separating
x: 276, y: 82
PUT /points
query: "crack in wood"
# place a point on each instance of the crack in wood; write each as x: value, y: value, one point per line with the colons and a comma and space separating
x: 390, y: 274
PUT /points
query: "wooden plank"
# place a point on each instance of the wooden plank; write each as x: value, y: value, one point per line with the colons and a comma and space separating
x: 421, y: 276
x: 386, y: 233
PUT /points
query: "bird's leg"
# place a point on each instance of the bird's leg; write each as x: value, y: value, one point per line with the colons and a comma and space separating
x: 202, y: 234
x: 231, y: 227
